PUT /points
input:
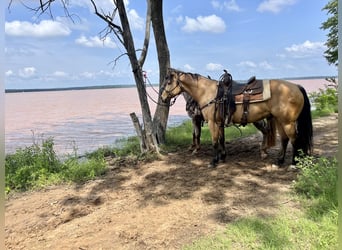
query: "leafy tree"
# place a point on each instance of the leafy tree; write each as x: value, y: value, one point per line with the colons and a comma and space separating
x: 331, y: 24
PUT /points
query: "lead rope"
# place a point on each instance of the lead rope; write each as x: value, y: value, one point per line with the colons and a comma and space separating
x: 150, y: 97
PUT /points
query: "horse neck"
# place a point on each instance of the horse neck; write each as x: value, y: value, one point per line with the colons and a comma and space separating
x: 202, y: 90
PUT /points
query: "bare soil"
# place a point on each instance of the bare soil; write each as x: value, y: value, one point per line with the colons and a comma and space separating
x: 164, y: 204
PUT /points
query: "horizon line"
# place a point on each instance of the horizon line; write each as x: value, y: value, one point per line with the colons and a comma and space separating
x: 16, y: 90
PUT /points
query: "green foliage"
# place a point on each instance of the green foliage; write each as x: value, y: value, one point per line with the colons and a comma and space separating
x: 80, y: 171
x: 101, y: 152
x: 180, y: 137
x: 38, y: 166
x: 128, y: 146
x: 317, y: 181
x: 31, y: 166
x: 331, y: 24
x: 325, y: 101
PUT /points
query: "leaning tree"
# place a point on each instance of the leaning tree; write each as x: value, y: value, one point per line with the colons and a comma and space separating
x: 153, y: 131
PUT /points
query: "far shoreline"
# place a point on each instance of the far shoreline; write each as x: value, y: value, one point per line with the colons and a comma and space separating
x: 69, y: 88
x: 19, y: 90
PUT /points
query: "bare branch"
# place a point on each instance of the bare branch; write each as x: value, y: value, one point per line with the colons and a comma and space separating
x: 147, y: 34
x: 109, y: 20
x: 117, y: 59
x: 45, y: 7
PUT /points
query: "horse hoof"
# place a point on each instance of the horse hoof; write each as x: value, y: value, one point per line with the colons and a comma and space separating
x: 280, y: 161
x: 292, y: 168
x: 195, y: 151
x: 263, y: 156
x: 211, y: 165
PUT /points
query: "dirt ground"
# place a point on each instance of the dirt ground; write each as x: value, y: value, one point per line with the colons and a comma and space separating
x: 160, y: 205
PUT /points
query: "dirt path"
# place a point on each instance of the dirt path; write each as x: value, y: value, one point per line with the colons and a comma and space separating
x: 161, y: 205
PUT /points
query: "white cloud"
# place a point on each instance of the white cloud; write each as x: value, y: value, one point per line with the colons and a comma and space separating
x: 27, y: 72
x: 135, y: 21
x: 305, y: 46
x: 265, y: 65
x: 247, y: 64
x: 228, y: 5
x: 212, y: 24
x: 306, y: 49
x: 59, y: 74
x: 96, y: 42
x: 46, y: 28
x: 9, y: 73
x: 87, y: 74
x: 213, y: 66
x: 188, y: 67
x: 274, y: 6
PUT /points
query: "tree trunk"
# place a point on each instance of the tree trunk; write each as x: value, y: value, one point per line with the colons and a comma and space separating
x: 162, y: 111
x: 151, y: 142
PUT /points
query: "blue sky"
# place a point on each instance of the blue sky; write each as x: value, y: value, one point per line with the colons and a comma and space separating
x: 266, y: 38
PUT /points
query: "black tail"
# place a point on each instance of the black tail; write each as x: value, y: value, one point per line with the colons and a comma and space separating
x: 304, y: 127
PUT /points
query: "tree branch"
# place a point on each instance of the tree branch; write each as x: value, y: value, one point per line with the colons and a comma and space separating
x: 147, y: 34
x: 109, y: 20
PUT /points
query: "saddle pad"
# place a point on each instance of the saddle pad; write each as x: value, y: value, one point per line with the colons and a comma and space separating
x: 265, y: 95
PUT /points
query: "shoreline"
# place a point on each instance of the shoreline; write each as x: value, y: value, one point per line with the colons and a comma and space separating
x: 8, y: 90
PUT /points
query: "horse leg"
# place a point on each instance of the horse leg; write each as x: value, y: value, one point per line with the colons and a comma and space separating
x: 214, y: 131
x: 291, y: 132
x: 288, y: 132
x: 223, y: 152
x: 216, y: 152
x: 261, y: 126
x: 197, y: 129
x: 284, y: 140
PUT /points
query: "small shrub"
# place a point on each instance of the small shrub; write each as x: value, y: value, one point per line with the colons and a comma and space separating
x: 325, y: 100
x: 38, y: 166
x: 80, y: 171
x: 318, y: 177
x: 31, y: 166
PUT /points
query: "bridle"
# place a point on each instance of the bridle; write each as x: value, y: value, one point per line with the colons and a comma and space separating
x: 178, y: 85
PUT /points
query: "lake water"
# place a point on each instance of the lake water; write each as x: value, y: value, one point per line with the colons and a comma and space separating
x: 84, y: 119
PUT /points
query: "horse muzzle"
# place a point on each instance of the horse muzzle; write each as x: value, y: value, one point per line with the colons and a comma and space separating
x: 164, y: 96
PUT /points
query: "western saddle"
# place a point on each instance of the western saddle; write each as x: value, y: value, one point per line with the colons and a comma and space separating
x: 231, y: 92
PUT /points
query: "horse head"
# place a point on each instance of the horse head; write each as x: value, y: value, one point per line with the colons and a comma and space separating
x: 172, y: 85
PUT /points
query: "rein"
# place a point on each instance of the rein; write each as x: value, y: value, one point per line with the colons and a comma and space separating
x: 172, y: 102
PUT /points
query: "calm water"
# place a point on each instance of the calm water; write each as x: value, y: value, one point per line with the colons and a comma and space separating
x: 85, y: 119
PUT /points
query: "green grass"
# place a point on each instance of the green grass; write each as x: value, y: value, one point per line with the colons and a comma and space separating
x: 181, y: 137
x: 285, y: 231
x: 313, y: 226
x: 38, y: 166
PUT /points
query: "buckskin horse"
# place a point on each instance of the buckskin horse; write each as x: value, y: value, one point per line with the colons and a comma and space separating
x: 288, y: 105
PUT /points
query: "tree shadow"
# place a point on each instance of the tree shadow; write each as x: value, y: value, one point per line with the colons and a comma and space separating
x: 242, y: 184
x: 234, y: 188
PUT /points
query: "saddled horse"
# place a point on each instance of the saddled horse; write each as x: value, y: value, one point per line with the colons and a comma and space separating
x: 288, y: 106
x: 197, y: 119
